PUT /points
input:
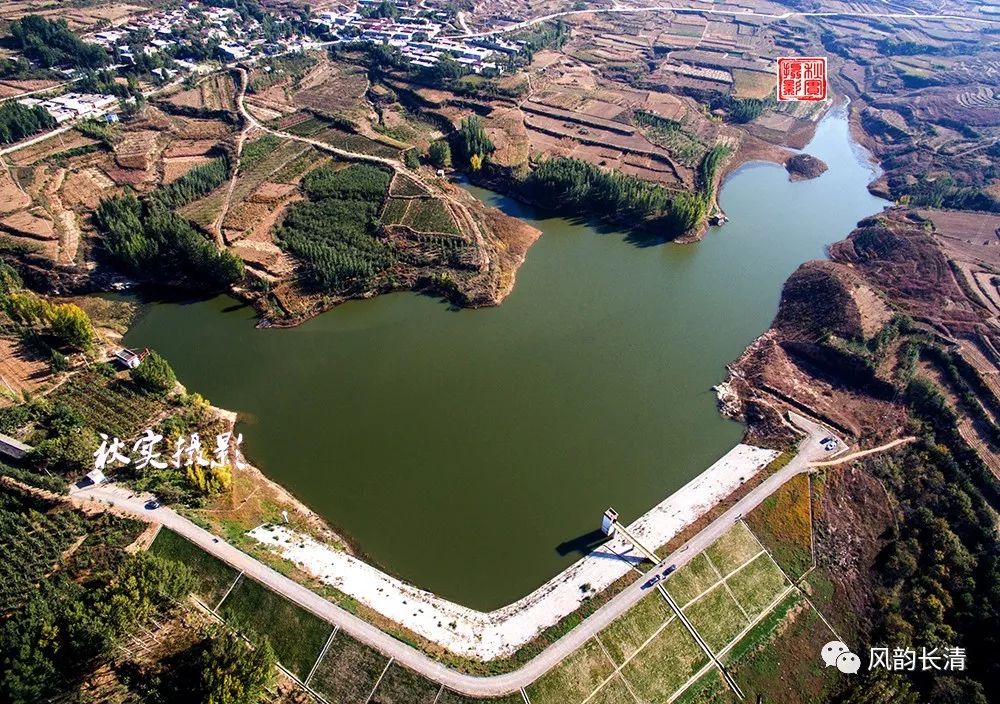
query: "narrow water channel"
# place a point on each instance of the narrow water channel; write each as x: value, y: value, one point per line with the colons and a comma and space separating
x: 459, y: 449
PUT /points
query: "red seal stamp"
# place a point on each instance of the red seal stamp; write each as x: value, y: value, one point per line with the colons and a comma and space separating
x: 802, y: 78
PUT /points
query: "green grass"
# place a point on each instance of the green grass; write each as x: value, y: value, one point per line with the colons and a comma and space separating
x: 627, y: 634
x: 307, y: 128
x: 449, y: 697
x: 710, y: 688
x: 781, y: 657
x: 782, y: 524
x: 762, y: 632
x: 823, y: 594
x: 349, y: 670
x: 298, y: 166
x: 682, y: 145
x: 356, y: 143
x: 430, y: 215
x: 265, y: 165
x: 402, y: 686
x: 716, y: 617
x: 757, y: 585
x: 614, y: 692
x: 204, y: 211
x: 735, y: 547
x: 664, y: 665
x: 692, y: 579
x: 295, y: 634
x: 213, y: 575
x: 574, y: 679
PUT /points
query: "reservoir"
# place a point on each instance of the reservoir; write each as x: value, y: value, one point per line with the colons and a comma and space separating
x: 460, y: 449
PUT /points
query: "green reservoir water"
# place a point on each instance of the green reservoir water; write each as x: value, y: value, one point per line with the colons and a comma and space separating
x: 461, y: 449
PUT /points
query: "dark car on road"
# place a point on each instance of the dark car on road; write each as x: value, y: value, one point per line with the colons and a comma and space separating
x: 652, y: 581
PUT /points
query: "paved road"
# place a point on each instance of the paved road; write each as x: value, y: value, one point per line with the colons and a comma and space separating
x: 809, y: 451
x: 40, y: 138
x: 697, y: 10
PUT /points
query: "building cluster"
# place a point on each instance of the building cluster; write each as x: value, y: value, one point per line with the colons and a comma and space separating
x: 418, y: 34
x: 71, y: 106
x: 417, y: 37
x: 238, y: 38
x: 216, y: 23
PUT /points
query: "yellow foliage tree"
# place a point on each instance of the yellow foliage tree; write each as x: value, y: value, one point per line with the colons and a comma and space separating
x: 27, y: 308
x: 475, y: 162
x: 210, y: 480
x: 71, y: 325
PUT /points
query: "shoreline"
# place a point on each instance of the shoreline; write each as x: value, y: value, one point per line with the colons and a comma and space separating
x: 438, y: 620
x: 381, y: 571
x: 500, y: 633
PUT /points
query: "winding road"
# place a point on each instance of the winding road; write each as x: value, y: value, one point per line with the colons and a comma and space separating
x: 810, y: 450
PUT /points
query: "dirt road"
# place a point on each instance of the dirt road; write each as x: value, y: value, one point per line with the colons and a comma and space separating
x: 864, y: 453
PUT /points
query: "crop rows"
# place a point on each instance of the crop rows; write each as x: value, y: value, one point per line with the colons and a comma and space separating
x: 32, y: 544
x: 430, y: 215
x: 109, y: 406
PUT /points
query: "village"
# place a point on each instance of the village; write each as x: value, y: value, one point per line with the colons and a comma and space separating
x: 417, y: 34
x: 415, y: 31
x: 195, y: 39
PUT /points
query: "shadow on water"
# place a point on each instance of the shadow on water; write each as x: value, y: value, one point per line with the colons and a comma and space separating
x: 146, y: 294
x: 438, y: 297
x: 511, y: 205
x: 582, y: 544
x: 235, y: 307
x: 641, y: 237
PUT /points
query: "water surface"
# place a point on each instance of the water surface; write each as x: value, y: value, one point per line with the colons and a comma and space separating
x: 460, y: 449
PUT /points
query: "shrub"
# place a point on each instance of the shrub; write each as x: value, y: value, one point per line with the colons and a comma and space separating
x: 70, y: 454
x: 58, y: 362
x: 439, y: 154
x: 19, y: 121
x: 154, y: 375
x: 577, y: 186
x: 228, y: 671
x: 51, y: 43
x: 71, y: 326
x: 10, y: 280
